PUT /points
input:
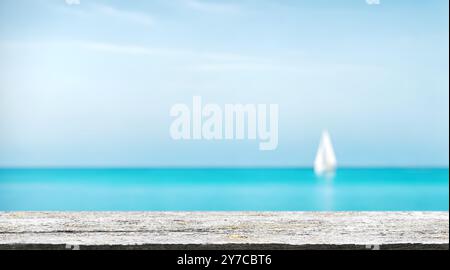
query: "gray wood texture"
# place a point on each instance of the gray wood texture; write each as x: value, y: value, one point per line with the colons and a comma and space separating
x: 224, y: 230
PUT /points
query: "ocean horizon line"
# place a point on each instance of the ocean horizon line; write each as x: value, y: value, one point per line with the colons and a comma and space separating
x: 212, y: 167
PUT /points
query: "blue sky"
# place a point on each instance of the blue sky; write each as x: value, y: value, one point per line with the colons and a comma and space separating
x: 92, y: 84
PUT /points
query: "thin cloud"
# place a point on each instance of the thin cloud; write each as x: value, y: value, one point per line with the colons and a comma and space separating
x: 106, y: 11
x: 199, y: 61
x: 120, y: 49
x: 116, y: 48
x: 87, y: 45
x: 212, y: 7
x: 216, y: 57
x: 132, y: 16
x: 243, y: 67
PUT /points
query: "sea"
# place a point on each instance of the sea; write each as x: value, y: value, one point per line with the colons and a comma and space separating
x: 224, y: 189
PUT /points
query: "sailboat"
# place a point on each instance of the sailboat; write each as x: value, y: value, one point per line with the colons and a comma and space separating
x: 325, y: 161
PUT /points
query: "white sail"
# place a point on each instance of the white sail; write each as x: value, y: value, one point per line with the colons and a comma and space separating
x: 325, y: 159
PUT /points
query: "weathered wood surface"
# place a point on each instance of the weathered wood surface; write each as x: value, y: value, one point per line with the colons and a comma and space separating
x: 224, y: 230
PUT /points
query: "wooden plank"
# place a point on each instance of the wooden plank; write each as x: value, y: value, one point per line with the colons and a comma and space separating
x: 224, y: 230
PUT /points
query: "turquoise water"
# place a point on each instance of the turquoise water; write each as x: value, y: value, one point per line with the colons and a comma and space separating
x: 223, y: 189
